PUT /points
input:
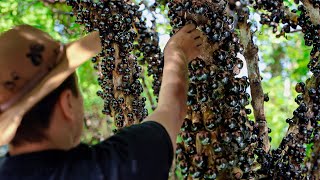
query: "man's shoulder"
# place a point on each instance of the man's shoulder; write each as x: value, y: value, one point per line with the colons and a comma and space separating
x: 1, y: 161
x: 2, y: 165
x: 76, y: 163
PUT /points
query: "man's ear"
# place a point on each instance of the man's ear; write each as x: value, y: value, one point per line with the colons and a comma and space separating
x: 66, y: 104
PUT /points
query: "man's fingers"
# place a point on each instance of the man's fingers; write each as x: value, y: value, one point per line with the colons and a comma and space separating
x: 195, y: 34
x: 198, y: 41
x: 188, y: 28
x: 200, y: 46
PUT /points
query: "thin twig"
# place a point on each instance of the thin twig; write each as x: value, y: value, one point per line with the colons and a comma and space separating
x: 54, y: 1
x: 296, y: 30
x: 147, y: 91
x: 59, y: 12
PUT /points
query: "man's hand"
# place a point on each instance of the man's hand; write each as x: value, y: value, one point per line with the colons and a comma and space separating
x: 186, y: 43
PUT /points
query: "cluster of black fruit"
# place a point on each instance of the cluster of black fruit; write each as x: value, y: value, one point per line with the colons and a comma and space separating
x: 148, y: 51
x: 309, y: 126
x: 120, y: 25
x: 315, y: 3
x: 216, y: 131
x: 286, y: 162
x: 312, y: 38
x: 279, y: 14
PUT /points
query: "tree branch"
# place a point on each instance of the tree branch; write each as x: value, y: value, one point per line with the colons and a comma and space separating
x: 315, y: 160
x: 251, y: 56
x: 313, y: 12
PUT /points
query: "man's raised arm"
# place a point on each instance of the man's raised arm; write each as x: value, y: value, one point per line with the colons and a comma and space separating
x: 172, y: 108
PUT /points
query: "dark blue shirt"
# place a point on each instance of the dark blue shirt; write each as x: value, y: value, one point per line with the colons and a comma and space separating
x: 139, y: 152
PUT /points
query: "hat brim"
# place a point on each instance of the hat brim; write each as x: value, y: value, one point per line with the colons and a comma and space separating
x: 76, y: 54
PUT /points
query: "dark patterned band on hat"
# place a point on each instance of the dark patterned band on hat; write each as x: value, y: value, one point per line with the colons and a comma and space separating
x: 33, y: 83
x: 35, y: 54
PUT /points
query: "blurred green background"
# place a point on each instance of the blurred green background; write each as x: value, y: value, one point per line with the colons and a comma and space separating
x: 283, y: 62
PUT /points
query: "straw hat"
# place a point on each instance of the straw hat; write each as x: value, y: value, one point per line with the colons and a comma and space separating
x: 32, y: 65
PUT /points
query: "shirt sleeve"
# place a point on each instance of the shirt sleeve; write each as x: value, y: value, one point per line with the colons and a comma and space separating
x: 141, y: 151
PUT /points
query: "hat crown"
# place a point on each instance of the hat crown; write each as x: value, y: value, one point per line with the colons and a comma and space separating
x: 26, y: 55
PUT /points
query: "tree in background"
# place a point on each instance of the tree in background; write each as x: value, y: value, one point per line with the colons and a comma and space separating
x: 219, y: 138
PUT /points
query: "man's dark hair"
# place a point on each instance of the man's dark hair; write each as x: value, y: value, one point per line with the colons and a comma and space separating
x: 37, y: 119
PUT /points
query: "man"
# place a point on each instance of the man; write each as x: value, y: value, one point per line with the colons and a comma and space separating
x: 41, y: 111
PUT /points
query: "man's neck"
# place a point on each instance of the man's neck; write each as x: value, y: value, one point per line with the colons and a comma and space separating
x: 30, y: 147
